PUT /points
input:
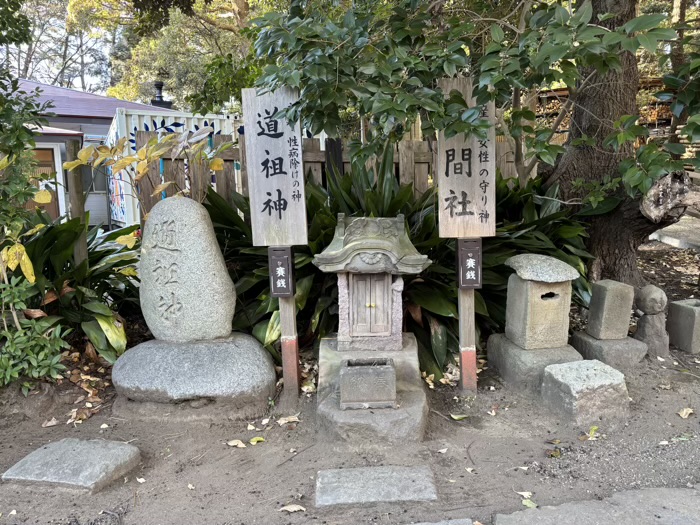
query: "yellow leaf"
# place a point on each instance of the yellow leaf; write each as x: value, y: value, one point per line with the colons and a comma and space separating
x: 34, y: 230
x: 42, y: 197
x: 123, y: 163
x: 72, y: 164
x: 114, y: 331
x: 126, y: 240
x: 529, y: 504
x: 129, y: 272
x: 458, y: 417
x: 5, y: 162
x: 216, y: 164
x: 143, y: 153
x: 256, y: 440
x: 14, y: 256
x: 142, y: 167
x: 85, y: 154
x: 161, y: 187
x: 25, y: 264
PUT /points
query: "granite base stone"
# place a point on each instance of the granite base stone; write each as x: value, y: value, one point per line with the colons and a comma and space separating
x: 523, y: 369
x: 610, y: 309
x: 585, y: 392
x: 225, y: 378
x: 359, y: 486
x: 618, y: 353
x: 80, y: 464
x: 405, y: 423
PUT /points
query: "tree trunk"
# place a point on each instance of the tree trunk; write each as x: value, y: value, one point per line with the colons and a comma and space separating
x: 614, y: 238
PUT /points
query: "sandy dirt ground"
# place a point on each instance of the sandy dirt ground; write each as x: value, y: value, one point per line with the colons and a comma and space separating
x: 505, y: 444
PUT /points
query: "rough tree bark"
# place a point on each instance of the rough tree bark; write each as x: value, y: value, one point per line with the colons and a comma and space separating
x: 614, y: 238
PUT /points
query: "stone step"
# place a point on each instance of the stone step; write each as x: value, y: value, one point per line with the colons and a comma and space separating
x: 76, y: 463
x: 374, y: 484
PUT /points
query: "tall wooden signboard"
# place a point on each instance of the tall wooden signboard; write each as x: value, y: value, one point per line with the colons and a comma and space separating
x: 277, y: 207
x: 466, y: 179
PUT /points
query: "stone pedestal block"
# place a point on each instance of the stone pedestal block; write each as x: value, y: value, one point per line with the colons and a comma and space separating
x: 585, y: 392
x: 404, y: 423
x: 537, y: 313
x: 230, y: 378
x: 618, y: 353
x: 609, y: 313
x: 523, y: 369
x: 367, y: 383
x: 683, y: 325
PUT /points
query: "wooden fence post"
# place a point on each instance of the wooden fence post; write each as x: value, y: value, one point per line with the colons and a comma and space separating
x: 76, y: 197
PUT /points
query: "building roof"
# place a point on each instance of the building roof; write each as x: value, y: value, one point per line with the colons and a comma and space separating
x: 79, y: 104
x: 59, y: 132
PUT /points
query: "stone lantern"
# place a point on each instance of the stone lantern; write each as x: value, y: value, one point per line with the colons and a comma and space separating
x: 370, y: 363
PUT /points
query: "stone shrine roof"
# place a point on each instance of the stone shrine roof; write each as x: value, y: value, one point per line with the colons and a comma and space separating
x: 542, y: 268
x: 371, y: 245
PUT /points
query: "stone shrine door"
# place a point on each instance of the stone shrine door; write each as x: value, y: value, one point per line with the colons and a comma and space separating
x: 370, y: 304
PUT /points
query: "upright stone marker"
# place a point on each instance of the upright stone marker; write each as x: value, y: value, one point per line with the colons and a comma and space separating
x: 466, y: 179
x: 186, y: 292
x: 277, y: 202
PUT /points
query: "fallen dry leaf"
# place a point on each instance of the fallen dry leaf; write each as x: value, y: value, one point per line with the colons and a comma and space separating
x: 190, y: 486
x: 257, y: 439
x: 491, y: 412
x: 663, y: 442
x: 50, y: 423
x: 523, y: 468
x: 442, y: 451
x: 458, y: 417
x: 292, y: 508
x: 141, y: 480
x: 289, y: 419
x: 104, y: 425
x: 525, y: 494
x: 685, y: 413
x: 470, y: 470
x: 34, y: 313
x: 236, y: 443
x: 250, y: 427
x: 265, y: 421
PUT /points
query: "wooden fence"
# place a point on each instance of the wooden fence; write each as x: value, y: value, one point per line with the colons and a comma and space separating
x: 414, y: 162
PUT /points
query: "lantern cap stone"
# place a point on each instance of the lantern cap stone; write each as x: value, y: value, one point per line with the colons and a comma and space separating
x: 371, y: 245
x: 542, y: 268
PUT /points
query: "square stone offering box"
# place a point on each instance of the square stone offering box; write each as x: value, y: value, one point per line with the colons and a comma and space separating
x: 683, y: 325
x: 537, y: 313
x: 367, y: 383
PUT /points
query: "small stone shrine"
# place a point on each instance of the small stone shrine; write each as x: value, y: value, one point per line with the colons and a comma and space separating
x: 605, y: 338
x: 651, y: 327
x: 195, y: 368
x: 370, y: 363
x: 537, y: 321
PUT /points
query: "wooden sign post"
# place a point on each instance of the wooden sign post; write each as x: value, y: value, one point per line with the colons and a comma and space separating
x: 277, y: 208
x: 466, y: 179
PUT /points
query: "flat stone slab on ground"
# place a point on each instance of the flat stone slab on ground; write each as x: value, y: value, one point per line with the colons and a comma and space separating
x: 76, y: 463
x: 683, y: 234
x: 447, y: 522
x: 632, y: 507
x: 585, y: 392
x: 618, y: 353
x: 236, y: 371
x: 523, y: 369
x: 374, y: 484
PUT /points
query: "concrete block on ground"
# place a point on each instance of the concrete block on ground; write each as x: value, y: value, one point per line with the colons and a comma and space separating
x: 76, y: 463
x: 585, y: 392
x: 537, y: 313
x: 358, y: 486
x: 610, y: 309
x: 683, y: 325
x: 523, y: 369
x: 367, y: 383
x: 618, y: 353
